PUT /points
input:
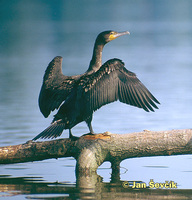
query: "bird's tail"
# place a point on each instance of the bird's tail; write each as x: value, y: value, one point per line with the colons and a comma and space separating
x: 53, y: 131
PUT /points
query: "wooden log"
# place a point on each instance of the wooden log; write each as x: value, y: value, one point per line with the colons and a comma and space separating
x: 90, y: 151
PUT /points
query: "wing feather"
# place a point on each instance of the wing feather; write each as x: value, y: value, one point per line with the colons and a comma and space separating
x: 141, y: 100
x: 55, y: 88
x: 112, y: 82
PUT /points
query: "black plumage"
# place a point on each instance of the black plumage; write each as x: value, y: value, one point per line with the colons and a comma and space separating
x: 77, y: 97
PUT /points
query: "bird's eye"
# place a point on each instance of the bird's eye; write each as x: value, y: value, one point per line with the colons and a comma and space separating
x: 112, y: 36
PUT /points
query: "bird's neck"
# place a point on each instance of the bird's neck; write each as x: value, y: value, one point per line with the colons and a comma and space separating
x: 96, y: 60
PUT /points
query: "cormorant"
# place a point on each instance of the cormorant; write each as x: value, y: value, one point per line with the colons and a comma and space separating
x: 77, y: 97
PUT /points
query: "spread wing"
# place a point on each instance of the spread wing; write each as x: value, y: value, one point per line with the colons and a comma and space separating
x: 112, y: 82
x: 55, y: 88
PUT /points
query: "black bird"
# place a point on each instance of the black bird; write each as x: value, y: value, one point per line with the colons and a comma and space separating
x: 77, y: 97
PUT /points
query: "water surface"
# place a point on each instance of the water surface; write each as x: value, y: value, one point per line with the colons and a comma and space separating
x: 158, y: 51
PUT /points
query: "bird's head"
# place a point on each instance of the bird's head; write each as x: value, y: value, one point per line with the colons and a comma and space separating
x: 107, y: 36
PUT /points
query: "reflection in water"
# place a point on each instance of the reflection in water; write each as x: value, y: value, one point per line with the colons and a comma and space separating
x: 158, y: 50
x: 87, y: 187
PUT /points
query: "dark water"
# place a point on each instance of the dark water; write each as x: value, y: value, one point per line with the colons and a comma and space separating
x: 158, y: 50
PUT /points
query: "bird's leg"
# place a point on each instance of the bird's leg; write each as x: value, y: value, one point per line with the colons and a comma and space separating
x: 71, y: 135
x: 90, y: 128
x: 88, y: 121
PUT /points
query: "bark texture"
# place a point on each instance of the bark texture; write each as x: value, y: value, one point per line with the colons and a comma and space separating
x: 91, y: 151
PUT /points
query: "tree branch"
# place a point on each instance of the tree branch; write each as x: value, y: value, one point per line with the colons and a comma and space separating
x: 91, y: 151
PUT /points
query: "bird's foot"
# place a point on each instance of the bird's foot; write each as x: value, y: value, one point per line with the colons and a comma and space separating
x: 72, y: 137
x: 90, y: 133
x: 93, y: 136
